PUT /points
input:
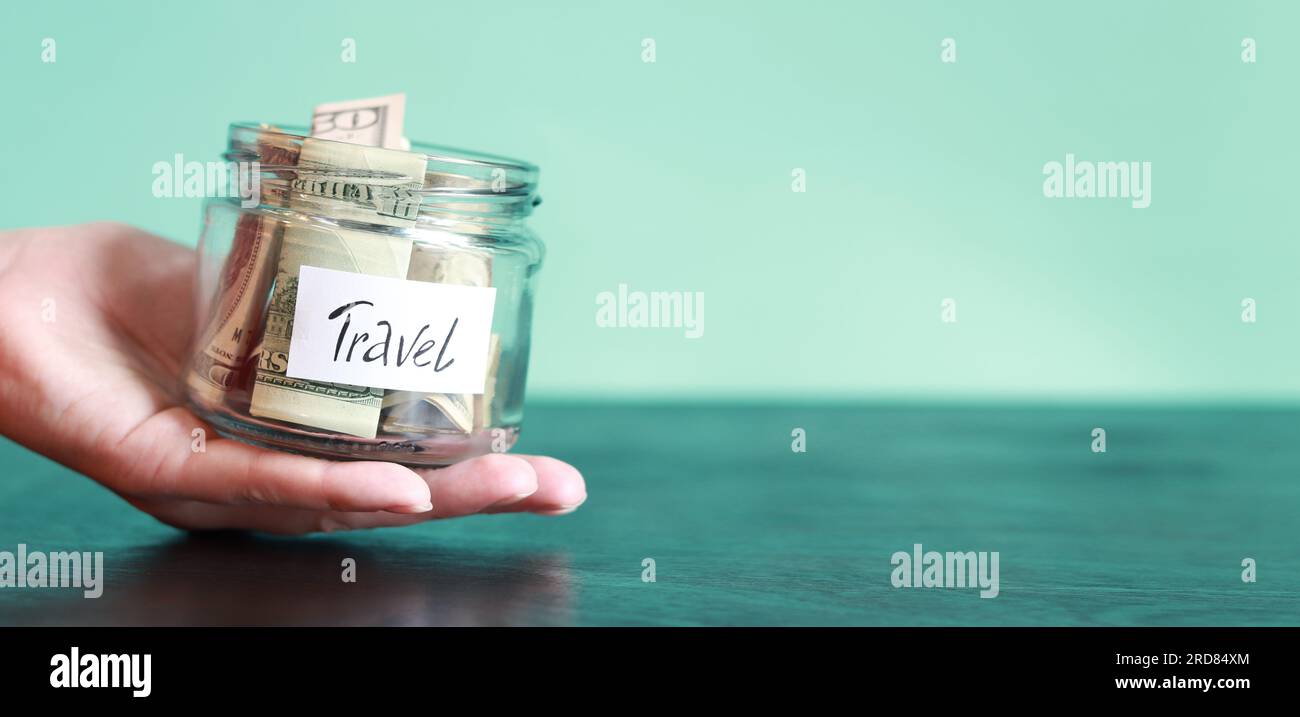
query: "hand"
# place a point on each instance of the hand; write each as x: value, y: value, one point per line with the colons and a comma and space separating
x: 93, y: 335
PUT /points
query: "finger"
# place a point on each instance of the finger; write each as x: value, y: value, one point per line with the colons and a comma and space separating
x: 193, y: 515
x: 489, y: 484
x: 276, y: 520
x: 495, y: 483
x: 560, y: 488
x: 479, y: 485
x: 158, y: 460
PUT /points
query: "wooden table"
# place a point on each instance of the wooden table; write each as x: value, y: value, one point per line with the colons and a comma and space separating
x: 745, y: 531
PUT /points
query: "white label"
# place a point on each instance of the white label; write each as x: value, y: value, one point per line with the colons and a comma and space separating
x: 404, y: 335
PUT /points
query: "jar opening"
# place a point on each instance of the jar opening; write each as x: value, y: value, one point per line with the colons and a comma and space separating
x: 456, y: 182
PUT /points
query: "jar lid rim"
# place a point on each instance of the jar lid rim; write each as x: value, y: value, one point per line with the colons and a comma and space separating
x: 454, y: 180
x: 434, y: 152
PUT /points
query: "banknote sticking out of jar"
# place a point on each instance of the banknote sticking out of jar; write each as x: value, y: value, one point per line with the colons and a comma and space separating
x: 372, y: 303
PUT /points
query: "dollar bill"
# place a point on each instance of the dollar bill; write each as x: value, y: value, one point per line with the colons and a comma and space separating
x: 228, y: 337
x: 232, y: 329
x: 353, y: 410
x: 461, y: 265
x: 366, y: 184
x: 410, y: 412
x: 373, y: 122
x: 363, y: 184
x: 276, y: 149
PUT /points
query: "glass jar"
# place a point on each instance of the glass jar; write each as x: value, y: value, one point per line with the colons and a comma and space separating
x: 371, y: 244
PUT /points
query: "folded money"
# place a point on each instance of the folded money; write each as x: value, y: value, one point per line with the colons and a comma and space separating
x: 233, y: 325
x: 347, y: 409
x: 350, y: 218
x: 345, y: 181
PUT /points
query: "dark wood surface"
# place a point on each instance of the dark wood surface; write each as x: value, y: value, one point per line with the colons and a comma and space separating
x: 745, y: 531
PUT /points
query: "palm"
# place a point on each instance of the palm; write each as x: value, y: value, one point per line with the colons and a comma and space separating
x: 94, y: 339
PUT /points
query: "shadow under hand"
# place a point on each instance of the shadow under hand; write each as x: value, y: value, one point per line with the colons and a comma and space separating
x: 231, y: 579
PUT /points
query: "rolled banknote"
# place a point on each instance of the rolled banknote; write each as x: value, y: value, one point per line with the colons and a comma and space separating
x: 233, y: 327
x: 276, y: 149
x: 410, y: 412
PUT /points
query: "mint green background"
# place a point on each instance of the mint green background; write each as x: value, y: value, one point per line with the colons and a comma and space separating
x: 924, y: 179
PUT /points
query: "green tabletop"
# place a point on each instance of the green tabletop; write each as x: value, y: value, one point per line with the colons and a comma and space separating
x: 743, y: 530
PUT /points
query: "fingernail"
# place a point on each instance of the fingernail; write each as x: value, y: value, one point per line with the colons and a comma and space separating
x: 420, y: 508
x: 511, y: 500
x: 562, y: 510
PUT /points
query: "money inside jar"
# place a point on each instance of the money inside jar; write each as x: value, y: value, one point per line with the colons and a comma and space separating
x: 448, y: 273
